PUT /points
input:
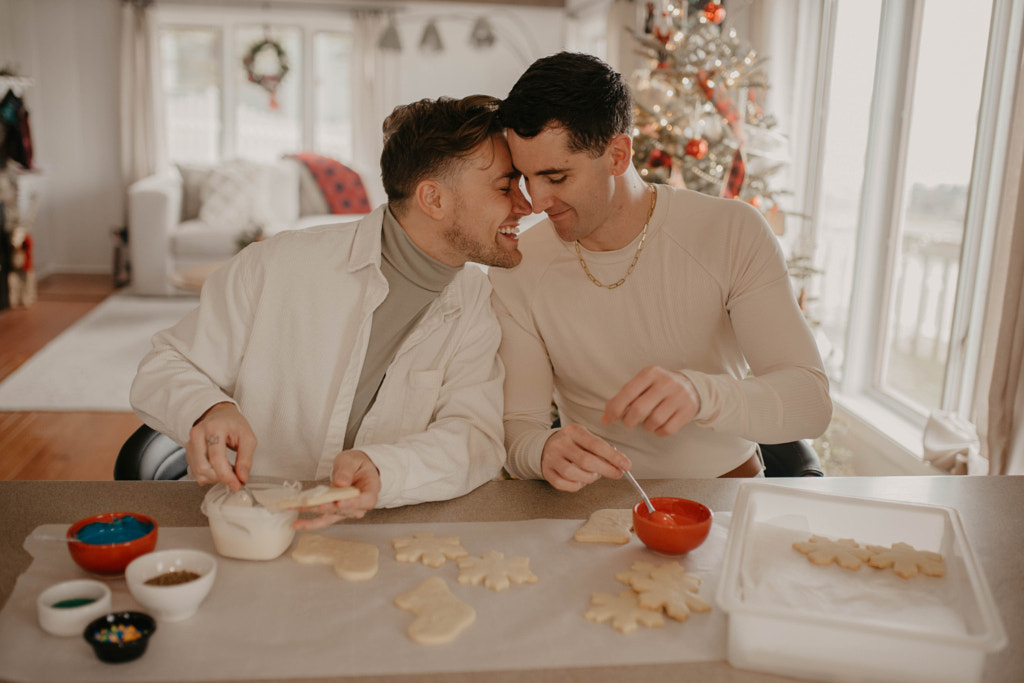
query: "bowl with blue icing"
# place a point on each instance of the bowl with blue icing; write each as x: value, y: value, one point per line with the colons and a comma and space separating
x: 104, y: 544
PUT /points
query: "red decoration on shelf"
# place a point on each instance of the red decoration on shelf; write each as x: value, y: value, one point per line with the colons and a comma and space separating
x: 714, y: 13
x: 697, y: 148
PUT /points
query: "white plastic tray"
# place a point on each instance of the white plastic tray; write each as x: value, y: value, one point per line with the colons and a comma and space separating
x: 790, y: 617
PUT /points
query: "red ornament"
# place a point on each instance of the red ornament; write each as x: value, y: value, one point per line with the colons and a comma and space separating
x: 714, y: 13
x: 659, y: 158
x: 755, y: 201
x: 697, y: 148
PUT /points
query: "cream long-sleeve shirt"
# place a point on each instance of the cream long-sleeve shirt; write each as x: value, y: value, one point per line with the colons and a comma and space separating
x: 709, y: 297
x: 282, y: 330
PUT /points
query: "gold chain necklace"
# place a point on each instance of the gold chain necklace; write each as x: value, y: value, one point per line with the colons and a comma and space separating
x: 636, y: 256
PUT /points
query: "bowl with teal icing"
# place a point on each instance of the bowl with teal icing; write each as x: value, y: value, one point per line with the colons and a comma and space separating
x: 104, y: 544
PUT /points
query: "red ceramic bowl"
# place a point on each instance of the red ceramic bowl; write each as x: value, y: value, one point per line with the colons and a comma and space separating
x: 692, y: 525
x: 110, y: 559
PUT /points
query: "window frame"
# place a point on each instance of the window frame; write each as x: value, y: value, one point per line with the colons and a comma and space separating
x: 225, y: 20
x: 859, y: 395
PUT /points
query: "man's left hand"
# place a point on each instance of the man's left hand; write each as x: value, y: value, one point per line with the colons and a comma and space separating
x: 351, y: 468
x: 661, y: 400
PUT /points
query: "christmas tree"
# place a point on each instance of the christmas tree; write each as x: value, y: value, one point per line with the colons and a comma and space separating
x: 700, y: 119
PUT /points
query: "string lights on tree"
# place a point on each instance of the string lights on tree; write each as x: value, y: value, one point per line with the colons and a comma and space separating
x: 700, y: 117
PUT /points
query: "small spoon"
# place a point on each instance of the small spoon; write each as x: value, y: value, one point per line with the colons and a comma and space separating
x: 250, y: 496
x: 61, y: 539
x: 656, y: 515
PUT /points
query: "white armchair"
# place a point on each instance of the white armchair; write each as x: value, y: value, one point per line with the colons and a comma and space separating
x: 171, y: 230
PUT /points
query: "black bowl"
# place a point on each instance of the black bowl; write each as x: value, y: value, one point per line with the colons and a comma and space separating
x: 105, y: 635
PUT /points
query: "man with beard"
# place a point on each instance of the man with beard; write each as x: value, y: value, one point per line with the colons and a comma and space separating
x: 366, y: 352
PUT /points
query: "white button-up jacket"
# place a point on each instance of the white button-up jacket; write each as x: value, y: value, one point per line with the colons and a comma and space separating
x: 282, y: 329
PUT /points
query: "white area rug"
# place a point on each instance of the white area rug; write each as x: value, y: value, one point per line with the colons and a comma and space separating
x: 91, y: 365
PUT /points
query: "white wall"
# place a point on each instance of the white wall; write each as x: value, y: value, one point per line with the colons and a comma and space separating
x: 71, y: 50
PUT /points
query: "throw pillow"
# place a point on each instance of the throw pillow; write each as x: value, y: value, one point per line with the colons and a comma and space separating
x: 233, y: 196
x: 192, y: 178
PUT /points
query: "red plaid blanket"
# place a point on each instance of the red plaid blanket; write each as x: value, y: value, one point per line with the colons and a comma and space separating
x: 342, y: 187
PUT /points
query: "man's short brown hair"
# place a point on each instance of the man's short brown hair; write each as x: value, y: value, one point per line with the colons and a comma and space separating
x: 427, y: 139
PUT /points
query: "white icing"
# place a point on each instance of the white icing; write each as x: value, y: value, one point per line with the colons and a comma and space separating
x: 245, y: 532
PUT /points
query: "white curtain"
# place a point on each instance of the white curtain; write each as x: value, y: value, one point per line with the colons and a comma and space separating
x: 376, y: 88
x: 140, y: 155
x: 1005, y: 418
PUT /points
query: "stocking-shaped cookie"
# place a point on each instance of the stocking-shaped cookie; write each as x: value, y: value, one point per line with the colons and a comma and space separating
x: 440, y: 616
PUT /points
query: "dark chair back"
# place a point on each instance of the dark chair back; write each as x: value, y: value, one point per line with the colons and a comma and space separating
x: 148, y: 454
x: 793, y: 459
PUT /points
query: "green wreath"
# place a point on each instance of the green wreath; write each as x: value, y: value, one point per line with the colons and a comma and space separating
x: 267, y: 81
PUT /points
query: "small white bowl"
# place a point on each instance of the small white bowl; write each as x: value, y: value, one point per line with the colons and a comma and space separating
x: 71, y: 621
x: 174, y: 602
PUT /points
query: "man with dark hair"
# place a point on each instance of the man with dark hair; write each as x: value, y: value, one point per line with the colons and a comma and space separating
x: 364, y: 353
x: 661, y: 321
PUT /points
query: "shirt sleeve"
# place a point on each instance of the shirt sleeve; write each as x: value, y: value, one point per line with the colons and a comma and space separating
x: 194, y: 364
x: 785, y: 396
x: 529, y: 389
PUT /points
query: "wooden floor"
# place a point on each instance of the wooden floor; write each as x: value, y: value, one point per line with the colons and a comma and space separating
x: 56, y: 445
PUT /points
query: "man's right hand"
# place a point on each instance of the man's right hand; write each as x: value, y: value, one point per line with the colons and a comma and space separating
x: 220, y: 428
x: 573, y: 457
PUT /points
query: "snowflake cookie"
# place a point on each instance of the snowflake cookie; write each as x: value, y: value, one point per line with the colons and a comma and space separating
x: 425, y: 547
x: 906, y: 560
x: 845, y: 552
x: 623, y: 611
x: 668, y: 587
x: 495, y: 571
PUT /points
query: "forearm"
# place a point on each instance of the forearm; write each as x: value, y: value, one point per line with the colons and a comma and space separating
x: 524, y: 442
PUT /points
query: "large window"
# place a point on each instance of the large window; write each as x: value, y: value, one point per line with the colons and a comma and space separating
x: 911, y: 142
x: 213, y: 111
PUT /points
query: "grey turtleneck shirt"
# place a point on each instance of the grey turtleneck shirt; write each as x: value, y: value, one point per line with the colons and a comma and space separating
x: 415, y: 279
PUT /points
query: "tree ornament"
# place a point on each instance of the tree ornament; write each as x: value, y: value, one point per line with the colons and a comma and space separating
x: 697, y: 148
x: 269, y: 80
x: 714, y: 13
x: 659, y: 158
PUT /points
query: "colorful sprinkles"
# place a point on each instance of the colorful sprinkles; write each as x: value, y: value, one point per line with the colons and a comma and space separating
x: 118, y: 633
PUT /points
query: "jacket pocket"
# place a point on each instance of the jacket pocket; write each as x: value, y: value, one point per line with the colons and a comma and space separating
x: 421, y: 399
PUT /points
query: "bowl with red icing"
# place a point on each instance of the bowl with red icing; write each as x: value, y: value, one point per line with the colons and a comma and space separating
x: 686, y: 526
x: 104, y: 544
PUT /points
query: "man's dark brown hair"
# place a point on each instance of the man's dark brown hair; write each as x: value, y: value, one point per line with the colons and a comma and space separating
x: 427, y: 139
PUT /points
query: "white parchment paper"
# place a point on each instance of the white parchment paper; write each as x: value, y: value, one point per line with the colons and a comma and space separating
x: 774, y: 574
x: 284, y: 619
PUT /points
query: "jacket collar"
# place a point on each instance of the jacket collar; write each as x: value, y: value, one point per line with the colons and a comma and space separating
x: 366, y: 243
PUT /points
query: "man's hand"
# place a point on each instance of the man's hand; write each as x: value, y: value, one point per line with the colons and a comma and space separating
x: 661, y: 400
x: 351, y: 468
x: 220, y: 428
x: 573, y: 457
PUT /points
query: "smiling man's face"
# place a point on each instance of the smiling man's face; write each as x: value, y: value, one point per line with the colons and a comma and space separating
x: 488, y: 206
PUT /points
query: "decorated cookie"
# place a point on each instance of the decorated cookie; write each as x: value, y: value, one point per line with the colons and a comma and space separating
x: 425, y: 547
x: 440, y: 616
x: 495, y: 570
x: 352, y: 560
x: 906, y: 561
x: 606, y: 526
x: 823, y: 551
x: 623, y: 611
